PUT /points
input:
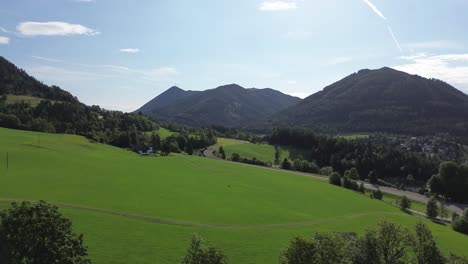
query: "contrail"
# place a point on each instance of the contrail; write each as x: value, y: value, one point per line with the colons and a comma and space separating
x: 375, y: 9
x: 394, y: 38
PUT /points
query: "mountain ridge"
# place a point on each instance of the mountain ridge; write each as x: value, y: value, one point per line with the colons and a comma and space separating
x: 381, y: 100
x: 227, y: 105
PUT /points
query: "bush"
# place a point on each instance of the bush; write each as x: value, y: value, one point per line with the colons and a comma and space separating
x: 461, y: 223
x: 377, y: 194
x: 335, y: 179
x: 235, y: 157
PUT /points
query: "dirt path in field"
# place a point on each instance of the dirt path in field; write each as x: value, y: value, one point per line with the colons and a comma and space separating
x: 196, y: 164
x: 224, y: 226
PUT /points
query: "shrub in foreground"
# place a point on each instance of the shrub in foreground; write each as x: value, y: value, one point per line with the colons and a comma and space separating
x: 38, y: 233
x: 385, y: 244
x: 198, y: 254
x: 460, y: 224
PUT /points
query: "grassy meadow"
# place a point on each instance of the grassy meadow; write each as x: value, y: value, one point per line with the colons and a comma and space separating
x: 31, y: 100
x: 248, y: 211
x: 264, y: 152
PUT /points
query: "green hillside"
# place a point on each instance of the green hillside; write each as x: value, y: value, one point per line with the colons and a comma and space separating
x: 135, y: 209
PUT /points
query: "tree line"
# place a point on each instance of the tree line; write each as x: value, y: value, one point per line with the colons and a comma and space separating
x: 343, y: 154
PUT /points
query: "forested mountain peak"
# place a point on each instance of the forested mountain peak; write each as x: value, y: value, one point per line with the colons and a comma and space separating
x: 382, y: 100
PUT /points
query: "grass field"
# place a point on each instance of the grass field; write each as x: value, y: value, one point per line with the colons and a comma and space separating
x: 250, y: 212
x: 262, y: 152
x: 31, y: 100
x: 162, y: 132
x: 393, y: 200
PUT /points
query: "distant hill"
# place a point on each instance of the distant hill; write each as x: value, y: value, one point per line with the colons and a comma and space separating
x: 166, y: 98
x: 228, y: 105
x: 27, y: 104
x: 382, y: 100
x: 16, y: 81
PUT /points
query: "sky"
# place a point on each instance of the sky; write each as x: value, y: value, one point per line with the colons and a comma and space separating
x: 119, y: 54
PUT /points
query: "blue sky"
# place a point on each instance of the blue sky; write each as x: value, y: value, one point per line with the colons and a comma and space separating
x: 121, y: 53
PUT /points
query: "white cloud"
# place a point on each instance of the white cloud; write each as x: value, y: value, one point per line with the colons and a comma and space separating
x: 292, y: 82
x: 53, y: 29
x: 394, y: 38
x: 339, y: 60
x: 46, y: 59
x: 434, y: 45
x: 277, y: 5
x: 375, y: 9
x: 59, y: 75
x: 3, y: 30
x: 130, y: 50
x: 452, y: 68
x: 4, y: 40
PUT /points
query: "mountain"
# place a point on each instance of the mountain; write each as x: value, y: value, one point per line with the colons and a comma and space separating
x: 166, y: 98
x: 384, y: 100
x: 229, y: 105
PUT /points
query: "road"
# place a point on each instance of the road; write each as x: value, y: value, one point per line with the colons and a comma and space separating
x: 454, y: 207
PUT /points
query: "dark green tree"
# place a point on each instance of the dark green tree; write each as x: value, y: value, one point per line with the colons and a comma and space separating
x: 235, y: 157
x: 404, y: 203
x: 189, y: 148
x: 335, y: 179
x: 286, y: 165
x: 372, y: 177
x: 221, y: 152
x: 277, y: 156
x: 435, y: 185
x: 299, y: 251
x: 431, y: 208
x: 393, y: 242
x: 155, y: 141
x: 377, y: 194
x: 425, y: 247
x: 353, y: 174
x: 39, y: 234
